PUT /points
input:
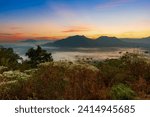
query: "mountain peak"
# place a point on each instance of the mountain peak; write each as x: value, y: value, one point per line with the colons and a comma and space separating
x: 73, y: 41
x: 106, y: 37
x: 147, y: 37
x: 29, y: 40
x: 77, y: 36
x: 82, y: 41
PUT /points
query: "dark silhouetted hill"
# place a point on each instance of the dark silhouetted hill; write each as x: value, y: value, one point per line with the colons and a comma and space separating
x: 82, y: 41
x: 103, y: 41
x: 29, y: 41
x: 73, y: 41
x: 109, y: 41
x: 140, y: 40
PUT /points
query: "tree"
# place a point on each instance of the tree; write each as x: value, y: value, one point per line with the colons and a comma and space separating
x: 8, y: 58
x: 38, y: 55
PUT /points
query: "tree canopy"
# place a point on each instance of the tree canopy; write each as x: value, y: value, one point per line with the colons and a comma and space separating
x: 38, y: 55
x: 8, y: 58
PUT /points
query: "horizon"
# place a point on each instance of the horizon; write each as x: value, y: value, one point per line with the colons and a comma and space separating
x: 37, y: 39
x: 53, y: 20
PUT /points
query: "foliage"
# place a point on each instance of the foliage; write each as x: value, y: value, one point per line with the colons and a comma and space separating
x: 8, y: 58
x: 13, y: 85
x: 15, y: 75
x: 65, y: 80
x: 3, y: 68
x: 120, y: 78
x: 135, y: 64
x: 131, y: 69
x: 122, y: 92
x: 37, y: 56
x: 25, y: 65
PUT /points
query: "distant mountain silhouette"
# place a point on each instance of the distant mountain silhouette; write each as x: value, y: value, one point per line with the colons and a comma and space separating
x: 82, y: 41
x: 109, y: 41
x: 37, y: 42
x: 141, y: 40
x: 29, y: 41
x: 103, y: 41
x: 74, y: 41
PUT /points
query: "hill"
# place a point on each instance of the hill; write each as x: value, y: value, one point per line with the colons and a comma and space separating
x: 141, y: 40
x: 82, y: 41
x: 29, y: 41
x: 109, y: 41
x: 74, y: 41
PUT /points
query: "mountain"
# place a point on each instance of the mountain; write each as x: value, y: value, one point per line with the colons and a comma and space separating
x: 29, y: 41
x: 109, y: 41
x: 141, y: 40
x: 103, y: 41
x: 37, y: 42
x: 82, y: 41
x: 73, y: 41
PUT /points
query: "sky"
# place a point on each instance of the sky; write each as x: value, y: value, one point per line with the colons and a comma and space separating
x: 56, y: 19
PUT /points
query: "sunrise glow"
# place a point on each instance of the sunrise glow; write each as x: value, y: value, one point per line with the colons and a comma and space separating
x: 55, y: 19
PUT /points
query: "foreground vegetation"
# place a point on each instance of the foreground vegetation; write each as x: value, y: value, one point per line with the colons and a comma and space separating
x: 127, y: 77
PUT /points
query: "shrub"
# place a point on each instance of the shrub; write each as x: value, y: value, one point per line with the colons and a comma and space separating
x: 141, y: 87
x: 136, y: 65
x: 15, y: 75
x: 112, y: 72
x: 12, y: 85
x: 79, y: 80
x: 48, y: 81
x: 65, y: 80
x: 83, y: 82
x: 30, y: 71
x: 3, y: 68
x: 15, y: 89
x: 122, y: 92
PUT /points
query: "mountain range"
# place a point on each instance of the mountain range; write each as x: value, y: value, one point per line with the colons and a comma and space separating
x: 29, y: 41
x: 141, y: 40
x: 103, y: 41
x: 82, y: 41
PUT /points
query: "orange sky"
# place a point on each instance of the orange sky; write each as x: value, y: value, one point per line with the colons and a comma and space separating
x: 59, y: 19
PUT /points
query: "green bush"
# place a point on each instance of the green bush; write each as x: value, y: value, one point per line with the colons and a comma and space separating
x: 112, y: 72
x: 9, y: 59
x: 122, y: 92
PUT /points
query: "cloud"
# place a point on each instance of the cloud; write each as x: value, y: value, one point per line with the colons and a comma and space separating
x: 135, y: 34
x: 35, y: 34
x: 113, y: 3
x: 49, y: 37
x: 19, y: 34
x: 11, y: 36
x: 5, y: 34
x: 73, y: 29
x: 15, y: 28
